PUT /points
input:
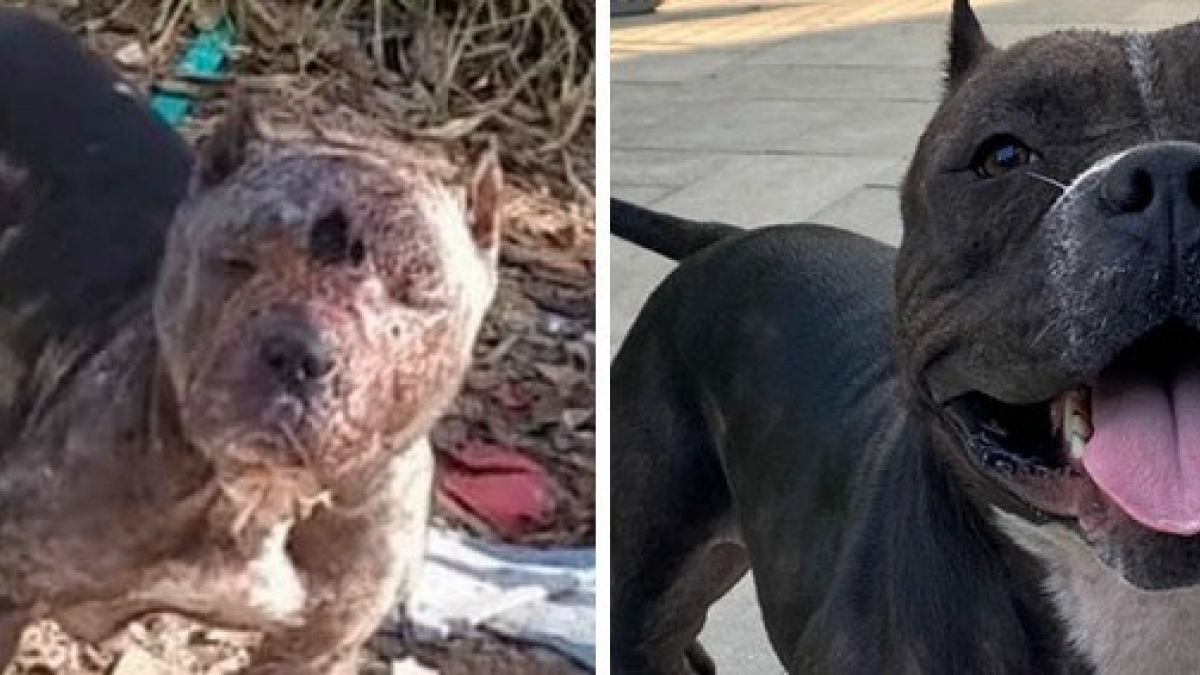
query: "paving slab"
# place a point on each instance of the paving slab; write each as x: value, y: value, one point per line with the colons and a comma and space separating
x: 639, y: 270
x: 807, y: 82
x: 734, y: 624
x: 663, y: 66
x: 1153, y: 14
x: 648, y: 104
x: 663, y: 168
x: 782, y: 188
x: 902, y: 44
x: 873, y: 211
x: 776, y: 126
x: 648, y: 195
x: 892, y: 175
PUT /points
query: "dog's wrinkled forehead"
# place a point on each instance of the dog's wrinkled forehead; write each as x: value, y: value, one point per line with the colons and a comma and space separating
x: 296, y: 209
x: 286, y: 196
x: 1073, y: 94
x: 1063, y: 93
x: 315, y: 177
x: 306, y: 214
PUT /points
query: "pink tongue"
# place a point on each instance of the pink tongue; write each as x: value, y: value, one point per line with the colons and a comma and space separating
x: 1145, y: 449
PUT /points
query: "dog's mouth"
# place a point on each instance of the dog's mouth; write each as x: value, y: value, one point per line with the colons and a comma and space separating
x: 1129, y: 439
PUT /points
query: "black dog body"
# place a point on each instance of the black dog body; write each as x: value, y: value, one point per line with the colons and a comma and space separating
x: 762, y: 427
x: 985, y: 460
x: 90, y: 180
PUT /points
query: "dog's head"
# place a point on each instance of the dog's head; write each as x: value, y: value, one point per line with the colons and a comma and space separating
x: 1048, y: 287
x: 318, y: 298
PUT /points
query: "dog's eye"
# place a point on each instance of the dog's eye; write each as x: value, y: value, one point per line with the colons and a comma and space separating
x: 236, y: 268
x: 1000, y: 155
x: 419, y: 299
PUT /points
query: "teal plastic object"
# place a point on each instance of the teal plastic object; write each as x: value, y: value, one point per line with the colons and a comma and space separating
x: 204, y: 59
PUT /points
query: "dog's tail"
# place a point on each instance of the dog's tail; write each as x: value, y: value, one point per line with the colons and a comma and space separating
x: 669, y: 236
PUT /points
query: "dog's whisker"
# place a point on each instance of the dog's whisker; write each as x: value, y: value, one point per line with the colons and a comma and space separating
x: 294, y: 445
x: 1048, y: 180
x: 1037, y: 339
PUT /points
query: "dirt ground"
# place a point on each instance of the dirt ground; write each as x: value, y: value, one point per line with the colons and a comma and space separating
x: 532, y: 386
x: 531, y: 389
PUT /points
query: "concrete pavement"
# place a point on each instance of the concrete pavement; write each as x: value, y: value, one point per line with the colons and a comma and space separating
x: 761, y: 111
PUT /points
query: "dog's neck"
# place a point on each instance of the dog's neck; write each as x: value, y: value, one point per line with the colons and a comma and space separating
x: 1115, y: 626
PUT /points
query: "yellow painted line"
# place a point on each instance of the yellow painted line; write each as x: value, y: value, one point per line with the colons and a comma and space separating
x: 699, y: 23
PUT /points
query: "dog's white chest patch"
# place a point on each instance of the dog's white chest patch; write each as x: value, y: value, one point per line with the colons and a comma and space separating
x: 1119, y: 628
x: 274, y: 586
x: 266, y: 589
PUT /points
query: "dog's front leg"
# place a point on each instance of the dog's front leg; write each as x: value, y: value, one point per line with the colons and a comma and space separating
x: 357, y: 563
x: 328, y: 644
x: 331, y: 638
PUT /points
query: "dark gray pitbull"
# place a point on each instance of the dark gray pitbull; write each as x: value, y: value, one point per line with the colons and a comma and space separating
x: 1004, y: 478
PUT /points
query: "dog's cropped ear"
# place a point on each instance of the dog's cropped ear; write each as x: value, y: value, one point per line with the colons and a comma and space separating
x: 484, y: 200
x: 226, y: 149
x: 968, y: 44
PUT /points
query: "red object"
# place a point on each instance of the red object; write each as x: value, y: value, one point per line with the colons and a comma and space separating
x: 495, y: 487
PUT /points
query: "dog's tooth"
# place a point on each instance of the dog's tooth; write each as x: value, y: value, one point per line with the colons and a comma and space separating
x: 1077, y: 423
x: 1078, y: 443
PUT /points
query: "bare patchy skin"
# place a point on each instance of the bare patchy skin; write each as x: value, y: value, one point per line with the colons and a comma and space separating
x: 249, y: 447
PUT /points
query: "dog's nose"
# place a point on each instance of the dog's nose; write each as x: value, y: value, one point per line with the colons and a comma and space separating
x: 1152, y: 193
x: 1156, y: 179
x: 296, y: 358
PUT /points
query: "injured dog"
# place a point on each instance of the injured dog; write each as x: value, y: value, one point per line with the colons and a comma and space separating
x: 991, y: 467
x: 241, y: 439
